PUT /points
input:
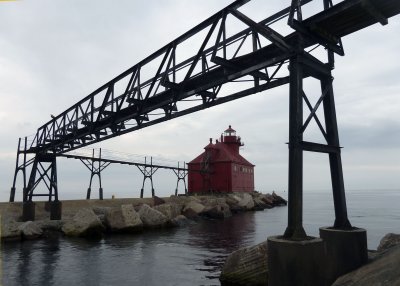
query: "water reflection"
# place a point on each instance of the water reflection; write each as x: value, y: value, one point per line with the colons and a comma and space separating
x: 191, y: 255
x: 23, y: 259
x: 220, y: 238
x: 223, y: 235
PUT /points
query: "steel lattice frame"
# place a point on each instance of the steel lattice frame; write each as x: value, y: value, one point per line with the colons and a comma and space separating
x: 139, y: 98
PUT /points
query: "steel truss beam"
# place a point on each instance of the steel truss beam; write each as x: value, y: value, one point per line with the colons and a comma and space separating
x: 90, y: 164
x: 181, y: 174
x: 128, y: 102
x: 138, y: 98
x: 299, y: 65
x: 297, y: 145
x: 20, y: 167
x: 148, y: 171
x: 97, y: 164
x: 45, y: 167
x: 87, y: 122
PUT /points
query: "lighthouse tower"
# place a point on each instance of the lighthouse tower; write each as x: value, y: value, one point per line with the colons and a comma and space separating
x: 221, y: 168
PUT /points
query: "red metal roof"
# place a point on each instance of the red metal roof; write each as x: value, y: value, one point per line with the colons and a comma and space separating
x: 222, y: 153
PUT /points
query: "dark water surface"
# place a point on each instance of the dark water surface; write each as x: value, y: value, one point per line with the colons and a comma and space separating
x: 191, y: 255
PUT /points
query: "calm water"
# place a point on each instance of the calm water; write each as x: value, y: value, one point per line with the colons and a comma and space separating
x: 192, y: 255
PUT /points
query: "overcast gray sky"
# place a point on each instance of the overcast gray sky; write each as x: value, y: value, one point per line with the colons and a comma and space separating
x: 53, y: 53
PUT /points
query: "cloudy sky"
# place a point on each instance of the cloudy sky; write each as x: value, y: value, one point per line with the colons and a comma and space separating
x: 53, y: 53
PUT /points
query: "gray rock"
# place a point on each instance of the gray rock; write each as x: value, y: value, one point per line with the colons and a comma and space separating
x: 158, y: 201
x: 10, y: 231
x: 84, y: 223
x: 180, y: 220
x: 101, y: 210
x: 151, y: 217
x: 53, y: 225
x: 233, y: 200
x: 193, y: 207
x: 388, y: 241
x: 123, y: 219
x: 383, y: 271
x: 259, y: 204
x: 31, y: 230
x: 268, y: 199
x: 190, y: 214
x: 246, y: 266
x: 246, y: 201
x: 179, y: 200
x: 217, y: 211
x: 278, y: 200
x: 170, y: 210
x: 211, y: 201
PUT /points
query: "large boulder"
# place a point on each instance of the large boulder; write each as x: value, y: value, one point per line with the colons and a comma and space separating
x: 50, y: 225
x: 123, y: 219
x: 211, y: 201
x: 246, y: 202
x: 181, y: 200
x: 388, y: 241
x: 31, y: 230
x: 246, y: 266
x: 10, y: 231
x: 50, y: 228
x: 259, y: 204
x: 233, y: 200
x: 84, y: 223
x: 101, y: 213
x: 193, y: 209
x: 101, y: 210
x: 170, y: 210
x: 152, y: 217
x: 278, y: 200
x: 217, y: 211
x: 158, y: 201
x: 263, y: 201
x: 268, y: 199
x: 191, y: 214
x: 180, y: 220
x: 383, y: 271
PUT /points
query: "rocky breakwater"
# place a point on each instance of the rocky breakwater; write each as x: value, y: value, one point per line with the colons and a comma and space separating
x: 93, y: 218
x: 248, y: 266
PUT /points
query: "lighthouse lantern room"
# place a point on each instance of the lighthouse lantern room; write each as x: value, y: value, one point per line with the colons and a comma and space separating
x: 221, y: 168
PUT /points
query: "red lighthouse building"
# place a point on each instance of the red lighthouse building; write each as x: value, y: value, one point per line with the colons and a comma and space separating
x: 220, y: 168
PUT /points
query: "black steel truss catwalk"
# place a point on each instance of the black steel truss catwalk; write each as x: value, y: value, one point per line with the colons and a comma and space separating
x: 97, y: 164
x: 134, y: 100
x: 94, y: 164
x: 138, y: 98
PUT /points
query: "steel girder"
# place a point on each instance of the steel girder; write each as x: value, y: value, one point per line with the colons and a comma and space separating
x: 97, y: 164
x: 128, y: 102
x: 159, y: 87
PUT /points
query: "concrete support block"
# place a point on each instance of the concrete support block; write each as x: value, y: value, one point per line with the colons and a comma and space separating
x: 101, y: 193
x: 299, y: 263
x: 28, y: 211
x: 346, y: 250
x: 55, y: 210
x: 12, y: 195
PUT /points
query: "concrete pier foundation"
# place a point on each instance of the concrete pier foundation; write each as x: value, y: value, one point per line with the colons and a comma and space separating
x: 346, y: 250
x: 55, y: 210
x: 28, y: 211
x: 300, y: 263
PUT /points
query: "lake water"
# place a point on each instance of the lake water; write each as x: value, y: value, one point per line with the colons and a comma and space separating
x: 191, y: 255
